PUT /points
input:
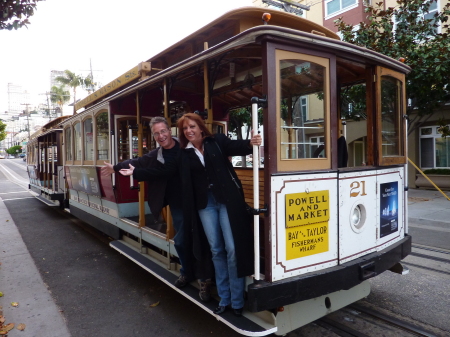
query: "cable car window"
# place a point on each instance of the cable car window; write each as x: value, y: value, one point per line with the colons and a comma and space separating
x: 355, y: 114
x: 88, y: 140
x: 77, y: 140
x: 302, y: 108
x: 68, y: 144
x: 391, y: 89
x: 390, y: 122
x: 102, y: 128
x: 123, y: 139
x: 303, y: 98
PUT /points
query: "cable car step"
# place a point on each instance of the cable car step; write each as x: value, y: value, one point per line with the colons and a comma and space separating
x: 46, y: 201
x: 244, y: 325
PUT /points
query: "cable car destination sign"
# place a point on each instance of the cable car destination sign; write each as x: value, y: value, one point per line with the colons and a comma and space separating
x: 307, y: 216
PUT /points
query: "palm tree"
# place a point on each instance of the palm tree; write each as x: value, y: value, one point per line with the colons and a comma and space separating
x: 59, y: 96
x: 74, y: 81
x: 88, y: 84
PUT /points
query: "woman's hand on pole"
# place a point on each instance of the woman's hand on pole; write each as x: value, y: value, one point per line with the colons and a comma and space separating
x: 127, y: 172
x: 256, y: 139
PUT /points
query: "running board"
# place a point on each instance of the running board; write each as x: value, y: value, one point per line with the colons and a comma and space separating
x: 46, y: 201
x: 243, y: 325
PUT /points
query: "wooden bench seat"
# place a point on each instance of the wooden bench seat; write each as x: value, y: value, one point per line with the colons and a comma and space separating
x: 246, y: 177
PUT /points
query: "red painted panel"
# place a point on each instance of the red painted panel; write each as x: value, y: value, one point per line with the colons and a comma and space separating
x: 67, y: 176
x: 106, y: 187
x: 123, y: 191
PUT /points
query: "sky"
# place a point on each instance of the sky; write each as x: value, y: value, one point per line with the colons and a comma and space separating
x: 113, y: 36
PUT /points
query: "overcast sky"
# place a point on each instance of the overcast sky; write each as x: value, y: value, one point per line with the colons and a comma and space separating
x: 114, y: 35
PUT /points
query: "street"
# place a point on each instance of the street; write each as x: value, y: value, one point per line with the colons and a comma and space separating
x: 101, y: 293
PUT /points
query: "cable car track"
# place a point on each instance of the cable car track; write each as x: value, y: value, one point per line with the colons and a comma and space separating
x: 360, y: 321
x: 431, y: 249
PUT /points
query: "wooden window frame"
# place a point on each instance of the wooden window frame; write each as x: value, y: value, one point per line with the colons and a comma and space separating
x: 390, y: 160
x: 71, y: 144
x: 96, y: 138
x: 83, y: 139
x: 77, y: 162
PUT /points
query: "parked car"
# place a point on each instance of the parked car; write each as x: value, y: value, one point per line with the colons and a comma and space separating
x: 2, y: 156
x: 11, y: 156
x: 21, y: 155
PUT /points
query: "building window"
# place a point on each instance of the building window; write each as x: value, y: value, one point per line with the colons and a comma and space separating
x: 334, y: 7
x: 434, y: 149
x: 429, y: 15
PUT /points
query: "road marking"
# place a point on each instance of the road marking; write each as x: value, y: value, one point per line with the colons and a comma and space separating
x: 432, y: 228
x: 18, y: 198
x: 12, y: 177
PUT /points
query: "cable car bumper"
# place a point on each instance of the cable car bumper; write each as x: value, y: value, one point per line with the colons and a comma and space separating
x: 264, y: 295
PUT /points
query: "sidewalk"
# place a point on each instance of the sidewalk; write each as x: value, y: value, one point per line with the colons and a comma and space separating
x: 21, y: 282
x: 429, y: 206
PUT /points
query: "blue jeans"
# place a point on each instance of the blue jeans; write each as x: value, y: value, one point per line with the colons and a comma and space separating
x: 217, y: 228
x: 177, y: 216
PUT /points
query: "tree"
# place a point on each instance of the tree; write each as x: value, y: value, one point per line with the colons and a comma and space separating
x: 59, y: 96
x: 15, y: 13
x: 14, y: 149
x: 409, y: 32
x: 75, y: 81
x: 240, y: 118
x: 2, y: 131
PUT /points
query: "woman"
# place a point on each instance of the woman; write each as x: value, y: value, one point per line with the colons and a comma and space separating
x: 210, y: 186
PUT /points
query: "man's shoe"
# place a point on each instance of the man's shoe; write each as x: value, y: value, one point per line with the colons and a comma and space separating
x: 220, y: 310
x: 181, y: 282
x: 205, y: 291
x: 237, y: 312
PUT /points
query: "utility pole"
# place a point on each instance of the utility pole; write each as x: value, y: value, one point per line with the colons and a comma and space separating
x: 48, y: 104
x: 28, y: 119
x: 92, y: 77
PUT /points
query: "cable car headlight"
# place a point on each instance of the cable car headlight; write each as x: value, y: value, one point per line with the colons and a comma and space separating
x: 357, y: 217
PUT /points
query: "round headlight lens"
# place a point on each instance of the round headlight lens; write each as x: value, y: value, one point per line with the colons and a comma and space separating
x: 356, y: 216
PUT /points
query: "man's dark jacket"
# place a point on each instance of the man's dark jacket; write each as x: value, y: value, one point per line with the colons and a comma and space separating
x: 156, y: 188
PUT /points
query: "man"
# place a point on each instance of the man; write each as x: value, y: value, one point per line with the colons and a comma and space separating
x: 163, y: 191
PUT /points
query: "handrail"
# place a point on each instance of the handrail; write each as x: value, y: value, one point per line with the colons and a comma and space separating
x: 432, y: 183
x: 255, y: 190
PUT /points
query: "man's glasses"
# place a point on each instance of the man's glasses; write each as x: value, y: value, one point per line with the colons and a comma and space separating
x: 163, y: 132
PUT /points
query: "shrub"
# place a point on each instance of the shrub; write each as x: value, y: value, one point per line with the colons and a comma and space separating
x: 437, y: 171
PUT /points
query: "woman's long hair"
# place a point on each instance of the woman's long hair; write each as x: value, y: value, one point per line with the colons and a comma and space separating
x: 196, y: 118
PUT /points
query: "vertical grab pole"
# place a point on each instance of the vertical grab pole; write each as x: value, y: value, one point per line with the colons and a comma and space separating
x: 113, y: 158
x: 130, y: 149
x: 344, y: 129
x: 255, y: 189
x: 406, y: 188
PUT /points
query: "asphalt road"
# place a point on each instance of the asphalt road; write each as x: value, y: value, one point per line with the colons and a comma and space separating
x: 102, y: 293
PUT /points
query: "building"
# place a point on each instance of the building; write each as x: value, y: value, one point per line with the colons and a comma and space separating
x: 18, y: 99
x: 53, y: 75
